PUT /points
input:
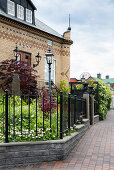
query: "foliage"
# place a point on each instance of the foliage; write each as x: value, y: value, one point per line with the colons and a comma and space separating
x: 104, y: 99
x: 47, y: 102
x: 92, y: 83
x: 63, y: 87
x: 65, y: 90
x: 26, y: 121
x: 79, y: 86
x: 29, y: 122
x: 27, y: 75
x: 104, y: 96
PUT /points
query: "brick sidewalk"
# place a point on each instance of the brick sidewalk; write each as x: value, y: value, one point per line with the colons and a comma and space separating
x: 95, y: 150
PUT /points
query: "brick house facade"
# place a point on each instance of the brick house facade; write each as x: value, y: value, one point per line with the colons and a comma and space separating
x: 32, y: 36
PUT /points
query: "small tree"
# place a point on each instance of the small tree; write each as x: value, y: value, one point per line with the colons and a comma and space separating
x: 27, y: 75
x: 46, y: 102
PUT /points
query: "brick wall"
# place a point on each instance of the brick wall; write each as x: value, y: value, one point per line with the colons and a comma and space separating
x: 30, y: 41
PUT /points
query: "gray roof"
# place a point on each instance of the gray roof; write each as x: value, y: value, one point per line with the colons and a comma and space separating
x: 38, y: 24
x: 32, y: 4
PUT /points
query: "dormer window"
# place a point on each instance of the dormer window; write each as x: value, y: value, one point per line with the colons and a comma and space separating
x: 22, y: 9
x: 20, y: 12
x: 11, y: 8
x: 28, y: 15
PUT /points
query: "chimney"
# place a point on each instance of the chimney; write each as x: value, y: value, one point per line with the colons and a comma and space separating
x: 107, y: 76
x: 99, y: 76
x: 66, y: 35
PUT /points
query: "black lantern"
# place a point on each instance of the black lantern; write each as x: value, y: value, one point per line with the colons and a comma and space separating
x: 49, y: 57
x: 38, y: 59
x: 15, y: 52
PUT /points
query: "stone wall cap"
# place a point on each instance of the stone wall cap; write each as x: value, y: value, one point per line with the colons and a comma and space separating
x: 60, y: 141
x: 85, y: 120
x: 79, y: 127
x: 96, y: 116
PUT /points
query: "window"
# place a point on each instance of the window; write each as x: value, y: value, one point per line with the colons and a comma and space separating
x: 11, y: 8
x: 20, y: 12
x: 18, y: 57
x: 52, y: 71
x: 27, y: 60
x: 28, y: 15
x: 49, y: 42
x: 24, y: 57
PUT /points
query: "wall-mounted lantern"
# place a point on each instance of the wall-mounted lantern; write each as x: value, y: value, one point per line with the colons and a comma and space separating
x: 15, y: 52
x: 38, y: 59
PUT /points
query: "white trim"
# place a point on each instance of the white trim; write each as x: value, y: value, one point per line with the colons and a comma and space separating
x: 50, y: 43
x: 11, y: 7
x: 28, y: 15
x: 20, y: 12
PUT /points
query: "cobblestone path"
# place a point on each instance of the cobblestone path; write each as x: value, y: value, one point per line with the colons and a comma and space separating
x: 95, y: 151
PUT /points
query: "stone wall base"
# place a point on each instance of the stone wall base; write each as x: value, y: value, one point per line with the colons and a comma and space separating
x: 96, y: 119
x: 32, y: 153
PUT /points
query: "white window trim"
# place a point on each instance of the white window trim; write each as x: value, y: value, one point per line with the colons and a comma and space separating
x: 28, y: 17
x: 11, y: 8
x: 20, y: 12
x: 50, y: 43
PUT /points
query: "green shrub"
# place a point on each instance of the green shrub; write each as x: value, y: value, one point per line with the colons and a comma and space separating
x: 63, y: 87
x: 104, y: 99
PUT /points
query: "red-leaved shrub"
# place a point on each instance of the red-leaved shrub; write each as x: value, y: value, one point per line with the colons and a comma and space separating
x: 47, y: 103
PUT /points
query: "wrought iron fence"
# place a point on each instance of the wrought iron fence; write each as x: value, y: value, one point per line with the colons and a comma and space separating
x: 74, y: 110
x: 43, y: 117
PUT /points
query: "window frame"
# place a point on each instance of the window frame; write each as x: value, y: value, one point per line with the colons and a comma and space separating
x: 11, y: 7
x: 22, y: 57
x: 50, y: 43
x: 28, y: 16
x: 20, y: 12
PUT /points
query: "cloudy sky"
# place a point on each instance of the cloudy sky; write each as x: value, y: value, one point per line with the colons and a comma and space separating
x: 92, y: 23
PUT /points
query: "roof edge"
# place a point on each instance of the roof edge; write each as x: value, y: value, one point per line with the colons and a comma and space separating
x: 64, y: 41
x: 32, y: 4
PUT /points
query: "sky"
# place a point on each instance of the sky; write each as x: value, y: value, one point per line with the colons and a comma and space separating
x: 92, y: 23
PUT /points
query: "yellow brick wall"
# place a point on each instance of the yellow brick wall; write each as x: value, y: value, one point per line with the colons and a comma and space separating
x: 29, y: 42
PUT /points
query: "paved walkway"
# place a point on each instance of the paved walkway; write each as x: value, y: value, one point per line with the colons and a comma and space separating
x: 95, y: 150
